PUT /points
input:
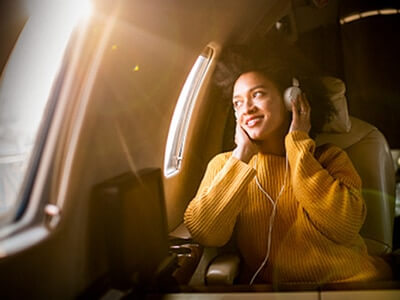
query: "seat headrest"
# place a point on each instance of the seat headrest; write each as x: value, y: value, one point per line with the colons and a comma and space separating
x: 335, y: 89
x: 359, y: 130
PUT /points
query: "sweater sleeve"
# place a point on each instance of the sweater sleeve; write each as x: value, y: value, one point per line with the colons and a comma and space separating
x: 211, y: 215
x: 327, y: 187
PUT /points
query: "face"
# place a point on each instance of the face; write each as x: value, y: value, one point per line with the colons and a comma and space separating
x: 259, y: 106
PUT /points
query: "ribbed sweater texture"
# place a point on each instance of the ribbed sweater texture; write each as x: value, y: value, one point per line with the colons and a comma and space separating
x: 315, y: 235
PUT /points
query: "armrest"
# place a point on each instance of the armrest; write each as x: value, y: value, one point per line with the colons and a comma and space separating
x: 187, y: 251
x: 202, y: 266
x: 223, y: 270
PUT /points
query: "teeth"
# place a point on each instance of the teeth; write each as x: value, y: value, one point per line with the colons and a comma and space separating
x: 252, y: 122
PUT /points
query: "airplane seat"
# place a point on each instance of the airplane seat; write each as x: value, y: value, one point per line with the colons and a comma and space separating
x: 369, y: 151
x: 370, y: 154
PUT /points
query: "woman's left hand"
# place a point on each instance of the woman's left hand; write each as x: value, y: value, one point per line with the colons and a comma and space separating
x: 301, y: 111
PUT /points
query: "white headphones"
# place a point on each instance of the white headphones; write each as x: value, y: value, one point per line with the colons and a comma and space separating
x: 291, y: 93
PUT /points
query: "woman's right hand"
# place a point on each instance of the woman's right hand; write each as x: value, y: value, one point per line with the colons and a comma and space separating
x: 246, y: 148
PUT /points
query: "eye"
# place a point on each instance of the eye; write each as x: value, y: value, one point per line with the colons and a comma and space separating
x: 237, y: 103
x: 257, y: 94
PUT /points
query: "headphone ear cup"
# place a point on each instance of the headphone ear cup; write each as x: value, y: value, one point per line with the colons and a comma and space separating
x: 291, y: 93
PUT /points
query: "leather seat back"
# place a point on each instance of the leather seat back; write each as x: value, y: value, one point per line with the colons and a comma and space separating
x: 370, y: 154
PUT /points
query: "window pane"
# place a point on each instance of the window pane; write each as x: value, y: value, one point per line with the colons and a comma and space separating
x: 182, y: 114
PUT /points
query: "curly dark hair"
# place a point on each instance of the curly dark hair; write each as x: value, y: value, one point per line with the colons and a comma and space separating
x: 279, y: 62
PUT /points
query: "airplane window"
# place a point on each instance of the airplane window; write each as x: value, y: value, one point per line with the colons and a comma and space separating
x: 183, y: 110
x: 25, y: 87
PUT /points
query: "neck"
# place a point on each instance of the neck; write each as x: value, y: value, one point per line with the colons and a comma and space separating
x: 273, y: 146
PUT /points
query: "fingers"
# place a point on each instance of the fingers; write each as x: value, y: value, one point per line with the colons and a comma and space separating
x: 295, y: 110
x: 241, y: 135
x: 301, y: 106
x: 238, y: 133
x: 300, y: 114
x: 304, y: 104
x: 242, y: 138
x: 245, y: 147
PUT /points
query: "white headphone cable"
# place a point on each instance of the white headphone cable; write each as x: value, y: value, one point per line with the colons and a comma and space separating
x: 272, y: 217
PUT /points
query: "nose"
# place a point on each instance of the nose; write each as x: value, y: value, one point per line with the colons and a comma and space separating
x: 249, y: 106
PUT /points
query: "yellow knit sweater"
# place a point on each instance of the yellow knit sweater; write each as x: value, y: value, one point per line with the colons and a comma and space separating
x: 315, y: 236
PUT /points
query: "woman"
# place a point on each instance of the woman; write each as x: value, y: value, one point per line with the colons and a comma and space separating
x: 295, y: 209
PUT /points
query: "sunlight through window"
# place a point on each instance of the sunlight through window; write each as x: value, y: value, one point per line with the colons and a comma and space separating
x: 182, y: 114
x: 25, y: 87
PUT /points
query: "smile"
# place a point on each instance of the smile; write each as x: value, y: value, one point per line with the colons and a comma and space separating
x: 253, y: 121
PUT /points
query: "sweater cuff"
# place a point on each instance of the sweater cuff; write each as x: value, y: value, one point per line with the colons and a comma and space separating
x: 299, y: 141
x: 239, y: 171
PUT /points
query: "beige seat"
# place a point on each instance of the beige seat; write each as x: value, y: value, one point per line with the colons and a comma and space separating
x: 370, y: 154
